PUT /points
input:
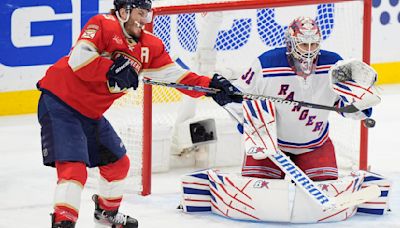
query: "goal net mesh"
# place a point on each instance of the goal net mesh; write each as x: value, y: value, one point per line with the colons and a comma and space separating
x: 227, y: 41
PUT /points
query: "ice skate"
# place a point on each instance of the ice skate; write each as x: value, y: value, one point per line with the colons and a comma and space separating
x: 112, y: 219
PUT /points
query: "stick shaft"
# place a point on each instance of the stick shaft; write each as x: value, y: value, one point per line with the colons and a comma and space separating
x: 346, y: 109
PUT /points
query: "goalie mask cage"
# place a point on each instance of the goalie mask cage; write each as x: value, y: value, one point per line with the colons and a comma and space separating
x: 226, y: 36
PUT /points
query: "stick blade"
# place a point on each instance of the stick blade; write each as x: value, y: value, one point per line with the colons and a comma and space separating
x: 363, y: 195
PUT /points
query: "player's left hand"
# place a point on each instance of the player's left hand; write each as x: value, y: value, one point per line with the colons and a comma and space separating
x: 353, y: 80
x: 353, y: 70
x: 226, y: 91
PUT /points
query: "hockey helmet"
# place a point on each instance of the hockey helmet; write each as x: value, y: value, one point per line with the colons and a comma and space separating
x: 131, y: 4
x: 303, y: 38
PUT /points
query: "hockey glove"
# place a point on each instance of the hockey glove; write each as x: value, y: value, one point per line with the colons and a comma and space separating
x: 353, y: 81
x: 225, y: 95
x: 122, y: 76
x: 353, y: 70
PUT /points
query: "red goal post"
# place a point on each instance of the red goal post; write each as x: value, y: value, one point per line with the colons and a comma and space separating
x: 240, y: 5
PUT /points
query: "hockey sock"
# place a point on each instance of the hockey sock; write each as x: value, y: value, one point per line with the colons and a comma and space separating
x: 111, y: 183
x: 71, y: 180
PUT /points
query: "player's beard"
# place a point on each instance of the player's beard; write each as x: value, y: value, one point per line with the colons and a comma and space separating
x: 134, y: 28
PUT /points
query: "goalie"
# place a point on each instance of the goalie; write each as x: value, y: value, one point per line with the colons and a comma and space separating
x: 275, y: 132
x: 304, y: 72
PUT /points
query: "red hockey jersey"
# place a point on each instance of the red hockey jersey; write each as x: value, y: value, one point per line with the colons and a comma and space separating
x: 79, y: 79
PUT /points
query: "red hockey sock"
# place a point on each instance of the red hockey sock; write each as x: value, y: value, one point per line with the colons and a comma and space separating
x: 71, y: 179
x: 112, y: 184
x: 115, y: 171
x: 109, y: 204
x: 63, y: 213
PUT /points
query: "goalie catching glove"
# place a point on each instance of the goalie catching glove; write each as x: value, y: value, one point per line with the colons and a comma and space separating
x: 353, y: 80
x: 122, y: 76
x: 225, y: 95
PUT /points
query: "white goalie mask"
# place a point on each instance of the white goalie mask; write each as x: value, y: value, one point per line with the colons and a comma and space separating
x: 303, y: 39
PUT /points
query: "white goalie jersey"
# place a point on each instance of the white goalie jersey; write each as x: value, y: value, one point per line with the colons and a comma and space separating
x: 299, y: 129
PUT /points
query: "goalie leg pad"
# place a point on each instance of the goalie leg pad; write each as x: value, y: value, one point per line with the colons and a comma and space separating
x: 255, y: 199
x: 303, y: 205
x: 260, y: 134
x: 237, y: 197
x: 196, y: 196
x: 379, y: 206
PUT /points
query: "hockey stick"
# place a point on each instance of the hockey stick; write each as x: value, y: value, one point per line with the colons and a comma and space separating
x: 264, y: 138
x: 311, y: 189
x: 368, y: 122
x: 345, y: 109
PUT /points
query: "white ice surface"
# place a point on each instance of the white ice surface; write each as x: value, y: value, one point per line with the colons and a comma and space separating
x: 26, y: 186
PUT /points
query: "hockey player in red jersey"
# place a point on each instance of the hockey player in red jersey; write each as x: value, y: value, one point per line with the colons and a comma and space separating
x: 112, y: 50
x: 302, y: 71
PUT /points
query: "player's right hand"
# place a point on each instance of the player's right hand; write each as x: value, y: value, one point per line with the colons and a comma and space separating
x: 122, y: 76
x: 226, y: 91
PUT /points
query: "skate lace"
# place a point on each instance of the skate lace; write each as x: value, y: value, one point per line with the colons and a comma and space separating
x: 119, y: 218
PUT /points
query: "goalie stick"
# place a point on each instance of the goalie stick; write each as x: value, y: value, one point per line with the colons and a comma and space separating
x: 310, y: 188
x: 368, y: 122
x: 262, y: 138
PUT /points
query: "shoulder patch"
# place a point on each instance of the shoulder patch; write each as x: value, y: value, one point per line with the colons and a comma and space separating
x: 89, y: 33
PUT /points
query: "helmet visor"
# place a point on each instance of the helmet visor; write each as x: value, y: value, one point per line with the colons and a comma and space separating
x: 144, y: 16
x: 144, y: 4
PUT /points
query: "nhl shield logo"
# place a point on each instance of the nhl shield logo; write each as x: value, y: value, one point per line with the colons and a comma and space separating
x: 45, y: 152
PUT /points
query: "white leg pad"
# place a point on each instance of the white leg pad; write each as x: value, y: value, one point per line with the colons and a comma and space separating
x: 255, y: 199
x: 306, y: 210
x: 247, y: 198
x: 379, y: 206
x: 196, y: 196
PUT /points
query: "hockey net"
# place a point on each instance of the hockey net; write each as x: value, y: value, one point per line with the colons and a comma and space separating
x: 226, y: 36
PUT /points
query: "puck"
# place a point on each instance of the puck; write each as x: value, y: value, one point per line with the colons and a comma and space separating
x: 369, y: 123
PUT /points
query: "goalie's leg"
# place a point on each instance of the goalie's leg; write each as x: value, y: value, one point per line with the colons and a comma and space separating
x: 264, y: 168
x: 319, y: 164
